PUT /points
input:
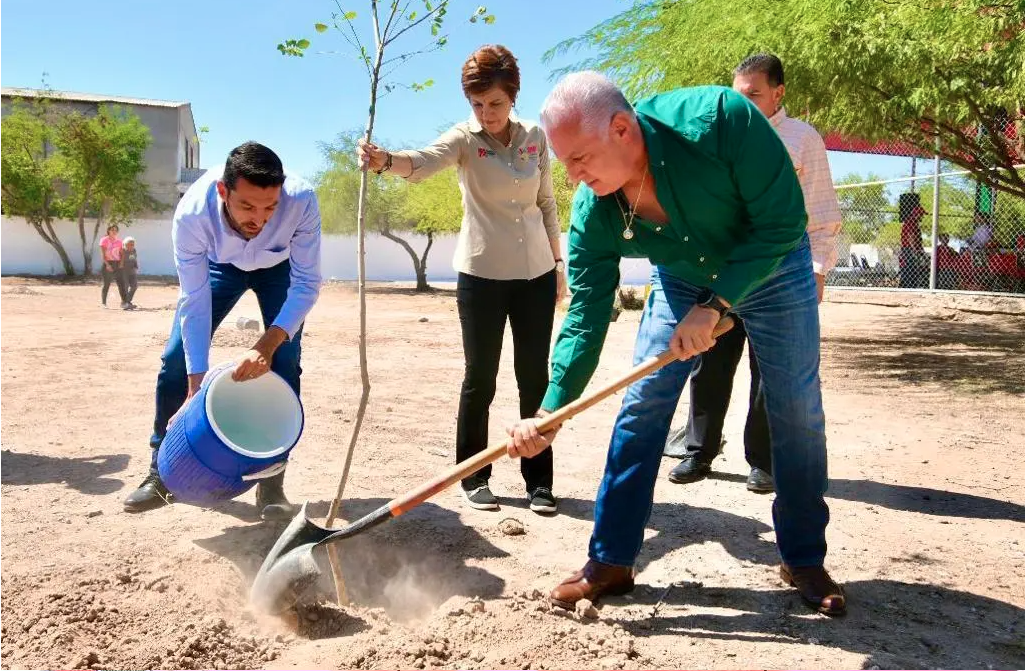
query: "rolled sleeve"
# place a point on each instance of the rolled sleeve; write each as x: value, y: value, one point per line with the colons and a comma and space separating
x: 546, y: 193
x: 824, y: 219
x: 304, y: 276
x: 443, y: 153
x: 194, y: 301
x: 593, y: 271
x: 768, y: 187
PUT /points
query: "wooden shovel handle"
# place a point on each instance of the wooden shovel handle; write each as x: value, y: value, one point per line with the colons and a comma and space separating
x: 465, y: 468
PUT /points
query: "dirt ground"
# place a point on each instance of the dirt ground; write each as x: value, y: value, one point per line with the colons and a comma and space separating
x: 926, y: 430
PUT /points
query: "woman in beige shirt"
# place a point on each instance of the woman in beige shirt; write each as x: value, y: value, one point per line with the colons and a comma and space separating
x: 508, y: 256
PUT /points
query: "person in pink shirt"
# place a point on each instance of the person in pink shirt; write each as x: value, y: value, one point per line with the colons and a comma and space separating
x: 111, y: 246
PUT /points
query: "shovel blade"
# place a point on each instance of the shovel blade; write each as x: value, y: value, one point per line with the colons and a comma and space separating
x: 289, y: 568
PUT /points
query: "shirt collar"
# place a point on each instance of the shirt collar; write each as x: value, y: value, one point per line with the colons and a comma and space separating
x: 779, y: 117
x: 651, y: 143
x: 475, y: 126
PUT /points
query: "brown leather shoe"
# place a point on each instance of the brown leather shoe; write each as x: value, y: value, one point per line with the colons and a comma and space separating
x: 816, y: 588
x: 592, y: 582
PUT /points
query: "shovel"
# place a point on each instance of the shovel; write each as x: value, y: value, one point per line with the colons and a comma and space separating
x: 290, y: 568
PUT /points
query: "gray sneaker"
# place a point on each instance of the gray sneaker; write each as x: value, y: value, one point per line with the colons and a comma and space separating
x: 481, y: 498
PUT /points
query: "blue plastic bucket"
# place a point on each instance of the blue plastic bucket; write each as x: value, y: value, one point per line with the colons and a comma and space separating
x: 228, y: 433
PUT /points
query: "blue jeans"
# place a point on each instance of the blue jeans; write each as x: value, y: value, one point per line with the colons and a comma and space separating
x: 227, y: 284
x: 782, y: 321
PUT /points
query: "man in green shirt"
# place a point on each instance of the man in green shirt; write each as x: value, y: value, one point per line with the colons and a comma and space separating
x: 697, y: 181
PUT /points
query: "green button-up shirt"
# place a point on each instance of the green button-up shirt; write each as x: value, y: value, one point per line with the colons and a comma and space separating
x: 735, y: 209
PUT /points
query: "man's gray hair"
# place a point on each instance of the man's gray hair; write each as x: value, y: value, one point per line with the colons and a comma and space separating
x: 588, y: 96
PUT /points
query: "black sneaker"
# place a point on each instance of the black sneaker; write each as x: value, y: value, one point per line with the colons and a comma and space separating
x: 543, y: 501
x: 150, y: 495
x: 481, y: 498
x: 271, y: 501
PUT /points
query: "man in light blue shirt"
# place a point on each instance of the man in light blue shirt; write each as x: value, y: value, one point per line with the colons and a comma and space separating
x: 248, y: 227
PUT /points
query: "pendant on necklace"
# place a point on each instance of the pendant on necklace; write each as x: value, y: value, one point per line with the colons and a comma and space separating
x: 628, y: 234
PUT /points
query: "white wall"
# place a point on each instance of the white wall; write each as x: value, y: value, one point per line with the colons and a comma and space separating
x: 22, y: 251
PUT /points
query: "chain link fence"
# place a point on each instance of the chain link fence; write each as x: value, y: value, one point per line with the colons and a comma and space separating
x: 944, y: 230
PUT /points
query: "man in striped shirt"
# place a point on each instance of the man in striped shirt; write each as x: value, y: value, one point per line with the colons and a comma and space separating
x: 760, y: 79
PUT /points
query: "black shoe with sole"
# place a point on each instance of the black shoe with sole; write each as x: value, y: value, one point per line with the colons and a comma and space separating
x: 150, y: 495
x: 542, y: 500
x: 691, y: 469
x: 760, y: 481
x: 271, y: 501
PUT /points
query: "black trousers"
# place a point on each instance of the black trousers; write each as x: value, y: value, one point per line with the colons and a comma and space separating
x: 131, y: 284
x: 484, y: 306
x: 711, y: 385
x: 116, y: 276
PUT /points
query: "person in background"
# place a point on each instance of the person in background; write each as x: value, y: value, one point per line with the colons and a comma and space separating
x: 130, y: 268
x: 508, y: 257
x: 912, y: 271
x: 111, y: 246
x: 759, y: 78
x: 983, y: 235
x: 946, y: 264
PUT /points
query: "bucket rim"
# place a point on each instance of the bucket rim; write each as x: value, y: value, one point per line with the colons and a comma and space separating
x: 263, y: 456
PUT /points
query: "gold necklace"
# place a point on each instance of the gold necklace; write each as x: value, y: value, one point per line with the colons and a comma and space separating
x: 628, y: 224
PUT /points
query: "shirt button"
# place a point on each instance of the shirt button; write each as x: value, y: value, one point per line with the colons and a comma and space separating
x: 510, y: 165
x: 663, y: 162
x: 686, y: 238
x: 521, y: 239
x: 702, y: 259
x: 714, y: 276
x: 516, y: 181
x: 517, y: 221
x: 514, y: 200
x: 658, y: 229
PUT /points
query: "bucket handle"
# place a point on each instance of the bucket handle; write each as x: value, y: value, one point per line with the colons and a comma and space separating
x: 268, y: 472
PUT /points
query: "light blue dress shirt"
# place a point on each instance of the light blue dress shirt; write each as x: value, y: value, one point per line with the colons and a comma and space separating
x: 201, y: 234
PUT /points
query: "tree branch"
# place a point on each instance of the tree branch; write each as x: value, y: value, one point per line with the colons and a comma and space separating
x: 359, y: 44
x: 377, y: 24
x: 416, y: 23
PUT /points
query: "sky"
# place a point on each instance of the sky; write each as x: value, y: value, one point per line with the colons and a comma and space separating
x: 221, y: 56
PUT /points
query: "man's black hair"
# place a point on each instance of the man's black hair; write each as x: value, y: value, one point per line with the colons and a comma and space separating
x: 257, y: 164
x: 769, y: 64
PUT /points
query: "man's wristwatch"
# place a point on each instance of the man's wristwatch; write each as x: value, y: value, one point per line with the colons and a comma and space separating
x: 560, y: 265
x: 708, y: 299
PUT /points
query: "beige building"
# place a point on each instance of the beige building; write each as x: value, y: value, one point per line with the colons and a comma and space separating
x: 172, y: 160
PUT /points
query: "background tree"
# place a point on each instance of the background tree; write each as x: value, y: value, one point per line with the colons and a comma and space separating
x: 393, y: 206
x: 866, y: 209
x: 564, y: 189
x: 389, y: 21
x: 925, y: 73
x: 102, y: 159
x: 433, y: 206
x: 31, y: 172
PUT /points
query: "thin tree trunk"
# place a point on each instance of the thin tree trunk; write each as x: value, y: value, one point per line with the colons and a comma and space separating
x: 96, y: 234
x: 421, y: 277
x: 332, y: 551
x: 50, y: 236
x: 419, y: 266
x: 87, y: 257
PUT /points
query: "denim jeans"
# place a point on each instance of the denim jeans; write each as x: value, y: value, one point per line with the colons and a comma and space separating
x: 227, y: 284
x: 782, y: 321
